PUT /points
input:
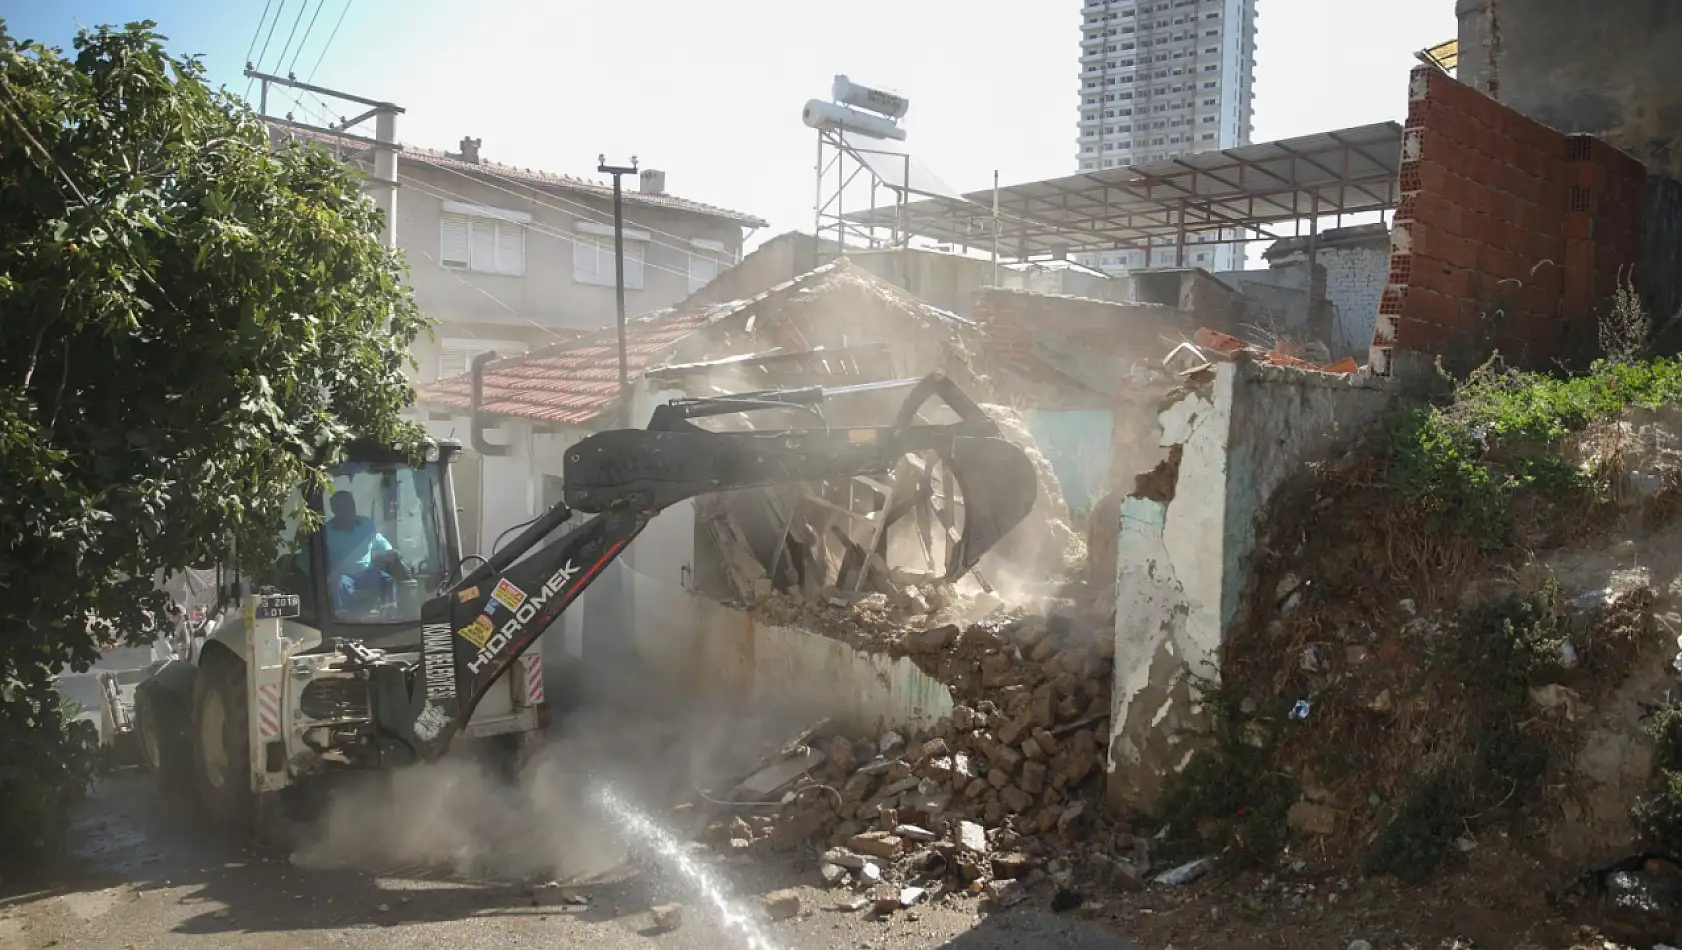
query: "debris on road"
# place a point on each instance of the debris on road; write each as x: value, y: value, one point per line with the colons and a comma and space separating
x: 667, y: 917
x: 781, y: 905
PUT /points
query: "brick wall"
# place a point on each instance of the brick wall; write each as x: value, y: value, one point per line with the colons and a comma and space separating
x: 1508, y: 233
x: 1010, y: 317
x: 1355, y: 278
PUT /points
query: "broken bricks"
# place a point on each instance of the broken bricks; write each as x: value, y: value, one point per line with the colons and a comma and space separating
x: 877, y: 844
x: 997, y: 792
x: 666, y: 917
x: 781, y: 905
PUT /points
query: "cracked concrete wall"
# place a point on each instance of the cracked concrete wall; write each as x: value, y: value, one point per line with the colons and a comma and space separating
x: 1609, y: 69
x: 1187, y: 535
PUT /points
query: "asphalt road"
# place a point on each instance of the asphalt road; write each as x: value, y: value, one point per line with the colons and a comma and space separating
x: 147, y: 877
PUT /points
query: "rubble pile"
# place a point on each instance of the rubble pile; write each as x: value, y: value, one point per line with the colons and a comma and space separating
x: 889, y: 621
x: 1003, y: 793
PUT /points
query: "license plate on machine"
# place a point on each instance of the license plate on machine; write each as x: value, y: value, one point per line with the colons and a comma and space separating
x: 279, y: 606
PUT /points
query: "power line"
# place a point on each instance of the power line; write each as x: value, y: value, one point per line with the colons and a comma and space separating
x: 253, y: 45
x: 584, y: 211
x: 584, y: 208
x: 259, y: 30
x: 438, y: 191
x: 307, y: 31
x: 304, y: 5
x: 268, y: 39
x: 442, y: 193
x: 494, y: 299
x: 330, y: 37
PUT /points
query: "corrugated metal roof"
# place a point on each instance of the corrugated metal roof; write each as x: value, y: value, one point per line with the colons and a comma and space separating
x: 1236, y: 189
x: 1444, y: 55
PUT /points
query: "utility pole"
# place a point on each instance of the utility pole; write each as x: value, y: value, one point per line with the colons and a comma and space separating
x: 383, y: 145
x: 619, y: 172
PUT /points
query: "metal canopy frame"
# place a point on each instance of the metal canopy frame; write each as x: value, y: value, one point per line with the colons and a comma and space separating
x: 1233, y: 194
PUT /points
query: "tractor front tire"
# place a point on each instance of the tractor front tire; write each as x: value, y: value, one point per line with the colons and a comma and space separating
x: 163, y: 721
x: 222, y: 742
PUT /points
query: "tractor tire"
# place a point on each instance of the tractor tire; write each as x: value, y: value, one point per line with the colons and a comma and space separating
x: 222, y: 742
x: 163, y: 722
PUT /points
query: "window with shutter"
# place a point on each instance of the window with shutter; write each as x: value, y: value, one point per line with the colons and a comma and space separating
x: 510, y: 250
x: 592, y: 261
x: 483, y: 245
x: 452, y: 251
x: 483, y: 240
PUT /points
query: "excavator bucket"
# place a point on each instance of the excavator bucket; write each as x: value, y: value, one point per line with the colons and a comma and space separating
x: 997, y: 483
x: 675, y: 459
x: 999, y: 489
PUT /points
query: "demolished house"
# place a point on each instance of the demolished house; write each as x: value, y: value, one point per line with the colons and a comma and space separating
x: 694, y: 591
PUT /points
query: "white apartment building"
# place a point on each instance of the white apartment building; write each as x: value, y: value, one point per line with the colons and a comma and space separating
x: 1160, y: 79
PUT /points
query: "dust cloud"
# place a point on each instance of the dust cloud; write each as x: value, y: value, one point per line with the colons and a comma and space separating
x: 467, y: 817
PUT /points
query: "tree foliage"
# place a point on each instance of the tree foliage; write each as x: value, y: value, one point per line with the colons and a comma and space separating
x: 189, y: 316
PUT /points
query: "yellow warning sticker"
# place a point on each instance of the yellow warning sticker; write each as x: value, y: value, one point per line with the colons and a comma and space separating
x: 478, y: 631
x: 508, y: 595
x: 468, y: 594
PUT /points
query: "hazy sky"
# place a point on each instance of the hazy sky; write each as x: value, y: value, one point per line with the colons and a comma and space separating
x: 711, y: 91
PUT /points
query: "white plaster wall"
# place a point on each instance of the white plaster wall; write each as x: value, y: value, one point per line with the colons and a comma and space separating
x: 694, y: 648
x: 1183, y: 563
x: 1168, y: 592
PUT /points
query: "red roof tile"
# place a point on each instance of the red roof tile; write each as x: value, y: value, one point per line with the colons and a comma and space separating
x: 528, y: 176
x: 577, y: 185
x: 574, y: 381
x: 570, y: 382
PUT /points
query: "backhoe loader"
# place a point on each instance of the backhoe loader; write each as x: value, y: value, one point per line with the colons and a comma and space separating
x: 387, y: 662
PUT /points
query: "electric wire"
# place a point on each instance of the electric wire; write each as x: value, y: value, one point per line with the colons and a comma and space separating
x: 253, y: 44
x: 303, y: 5
x: 330, y: 38
x: 270, y: 38
x: 306, y: 38
x: 585, y: 209
x: 438, y: 191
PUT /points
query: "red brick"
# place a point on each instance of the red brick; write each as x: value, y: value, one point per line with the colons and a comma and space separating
x: 1435, y: 178
x: 1401, y: 269
x: 1578, y: 304
x: 1428, y: 306
x: 1578, y: 253
x: 1421, y: 337
x: 1548, y: 279
x: 1454, y: 251
x: 1437, y: 211
x: 1406, y: 209
x: 1465, y: 284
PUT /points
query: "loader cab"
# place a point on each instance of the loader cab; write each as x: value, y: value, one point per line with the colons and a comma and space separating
x: 387, y: 542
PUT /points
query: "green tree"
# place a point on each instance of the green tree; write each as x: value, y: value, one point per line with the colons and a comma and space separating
x: 188, y: 315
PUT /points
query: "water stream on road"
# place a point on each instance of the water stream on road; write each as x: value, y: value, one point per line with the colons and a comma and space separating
x: 672, y: 852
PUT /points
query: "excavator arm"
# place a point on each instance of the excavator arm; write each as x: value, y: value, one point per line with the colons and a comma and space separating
x: 476, y: 630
